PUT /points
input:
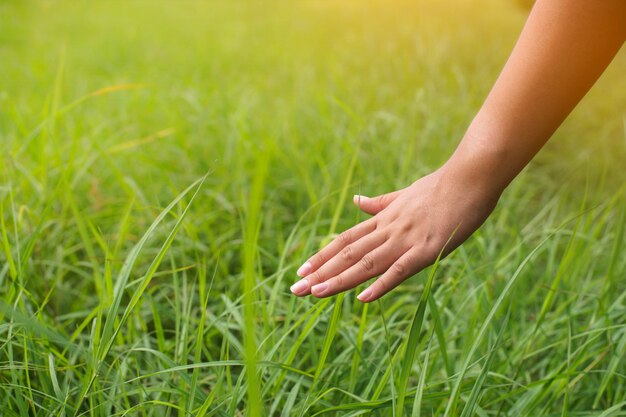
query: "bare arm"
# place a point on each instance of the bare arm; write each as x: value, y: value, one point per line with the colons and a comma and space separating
x: 563, y: 49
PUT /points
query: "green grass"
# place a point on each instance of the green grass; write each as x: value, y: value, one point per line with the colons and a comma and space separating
x: 166, y: 167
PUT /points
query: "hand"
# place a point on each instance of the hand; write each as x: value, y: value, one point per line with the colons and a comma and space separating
x: 410, y: 228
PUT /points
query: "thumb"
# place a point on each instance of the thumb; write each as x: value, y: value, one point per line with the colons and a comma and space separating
x: 374, y: 205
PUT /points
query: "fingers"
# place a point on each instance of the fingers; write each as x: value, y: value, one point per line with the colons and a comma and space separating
x: 410, y: 263
x: 375, y: 204
x: 370, y: 265
x: 346, y: 238
x: 348, y: 256
x: 355, y: 246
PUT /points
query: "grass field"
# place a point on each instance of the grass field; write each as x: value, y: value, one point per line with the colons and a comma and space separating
x: 165, y: 168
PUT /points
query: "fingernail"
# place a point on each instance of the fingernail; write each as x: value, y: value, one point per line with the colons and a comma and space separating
x: 358, y: 197
x: 299, y: 287
x: 365, y: 295
x: 319, y: 289
x: 304, y: 269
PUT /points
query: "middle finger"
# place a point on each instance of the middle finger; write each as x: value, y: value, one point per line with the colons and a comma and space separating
x: 347, y: 257
x: 371, y: 265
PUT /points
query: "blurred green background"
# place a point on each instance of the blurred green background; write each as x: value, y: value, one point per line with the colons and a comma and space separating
x: 109, y: 110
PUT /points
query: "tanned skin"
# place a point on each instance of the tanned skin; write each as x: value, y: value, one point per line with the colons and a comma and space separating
x: 563, y: 49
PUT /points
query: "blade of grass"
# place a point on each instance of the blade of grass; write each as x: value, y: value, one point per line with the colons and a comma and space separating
x: 419, y: 391
x: 441, y: 339
x: 472, y: 401
x: 505, y: 292
x: 334, y: 321
x: 389, y: 358
x: 249, y: 254
x: 359, y: 345
x: 109, y: 333
x: 6, y: 245
x: 328, y: 341
x: 410, y: 349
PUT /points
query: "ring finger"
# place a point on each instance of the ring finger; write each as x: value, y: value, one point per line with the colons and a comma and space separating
x: 370, y: 265
x: 348, y: 256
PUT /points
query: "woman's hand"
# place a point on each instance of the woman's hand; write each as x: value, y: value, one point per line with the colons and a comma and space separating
x: 563, y: 49
x: 410, y: 228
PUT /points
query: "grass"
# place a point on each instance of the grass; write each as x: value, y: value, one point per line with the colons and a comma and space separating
x: 167, y: 167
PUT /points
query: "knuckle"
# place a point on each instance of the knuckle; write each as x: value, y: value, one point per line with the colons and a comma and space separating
x: 367, y: 263
x: 383, y: 201
x: 315, y: 277
x: 345, y: 237
x: 347, y: 254
x: 399, y: 268
x: 319, y: 260
x: 382, y: 284
x: 410, y: 260
x: 339, y: 281
x: 406, y: 227
x: 429, y: 241
x: 429, y: 244
x: 369, y: 225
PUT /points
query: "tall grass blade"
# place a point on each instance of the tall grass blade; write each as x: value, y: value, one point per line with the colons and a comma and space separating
x: 410, y: 349
x: 472, y: 401
x: 331, y: 330
x: 109, y: 333
x: 419, y: 392
x: 249, y: 255
x: 477, y: 340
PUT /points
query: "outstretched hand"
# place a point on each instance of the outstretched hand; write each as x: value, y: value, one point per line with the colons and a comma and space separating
x: 562, y: 51
x: 409, y: 229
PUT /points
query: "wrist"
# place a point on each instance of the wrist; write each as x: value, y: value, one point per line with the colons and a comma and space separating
x: 492, y: 152
x: 480, y: 166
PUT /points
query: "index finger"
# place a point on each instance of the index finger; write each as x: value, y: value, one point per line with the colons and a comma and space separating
x: 333, y: 248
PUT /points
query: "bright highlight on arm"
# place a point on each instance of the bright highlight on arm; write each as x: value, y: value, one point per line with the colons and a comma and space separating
x: 563, y: 49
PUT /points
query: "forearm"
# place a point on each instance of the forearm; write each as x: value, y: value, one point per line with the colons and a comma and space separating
x: 563, y: 49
